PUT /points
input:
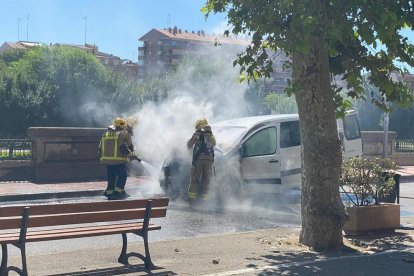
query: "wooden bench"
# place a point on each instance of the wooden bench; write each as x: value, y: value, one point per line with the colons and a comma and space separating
x: 21, y: 224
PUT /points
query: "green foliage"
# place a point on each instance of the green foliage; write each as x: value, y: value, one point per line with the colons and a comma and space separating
x: 371, y: 116
x: 281, y: 104
x: 63, y: 86
x: 402, y: 121
x: 365, y: 179
x: 11, y: 55
x: 354, y: 33
x: 54, y: 86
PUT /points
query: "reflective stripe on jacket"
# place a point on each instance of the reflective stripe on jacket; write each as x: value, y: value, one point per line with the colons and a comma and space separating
x: 110, y: 151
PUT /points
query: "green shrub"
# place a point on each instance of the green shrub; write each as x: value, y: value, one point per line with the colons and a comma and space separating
x: 368, y: 179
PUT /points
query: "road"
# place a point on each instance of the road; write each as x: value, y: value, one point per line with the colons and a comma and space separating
x: 184, y: 221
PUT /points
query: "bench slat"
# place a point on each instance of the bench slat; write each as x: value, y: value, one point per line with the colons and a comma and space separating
x: 62, y: 208
x: 39, y: 231
x: 69, y: 233
x: 79, y: 218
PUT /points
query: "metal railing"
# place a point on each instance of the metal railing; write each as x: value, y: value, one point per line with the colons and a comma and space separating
x: 15, y: 149
x: 404, y: 145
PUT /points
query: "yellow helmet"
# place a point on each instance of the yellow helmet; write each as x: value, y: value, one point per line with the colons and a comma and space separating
x: 201, y: 123
x: 131, y: 121
x: 121, y: 123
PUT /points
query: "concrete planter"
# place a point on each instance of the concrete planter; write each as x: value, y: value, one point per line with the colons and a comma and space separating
x: 363, y: 219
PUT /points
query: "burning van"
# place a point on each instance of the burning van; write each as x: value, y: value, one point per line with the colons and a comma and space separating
x: 257, y: 154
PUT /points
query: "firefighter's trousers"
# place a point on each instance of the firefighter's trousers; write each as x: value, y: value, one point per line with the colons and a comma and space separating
x: 201, y: 173
x: 117, y: 176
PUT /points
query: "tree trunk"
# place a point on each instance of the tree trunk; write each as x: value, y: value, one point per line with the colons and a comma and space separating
x: 323, y: 213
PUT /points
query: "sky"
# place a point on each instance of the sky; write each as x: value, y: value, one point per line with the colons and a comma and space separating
x: 113, y: 25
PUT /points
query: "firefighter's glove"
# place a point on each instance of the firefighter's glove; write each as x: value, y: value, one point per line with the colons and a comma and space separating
x: 135, y: 157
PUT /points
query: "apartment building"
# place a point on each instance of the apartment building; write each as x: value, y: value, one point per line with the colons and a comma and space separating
x: 408, y: 79
x: 165, y: 47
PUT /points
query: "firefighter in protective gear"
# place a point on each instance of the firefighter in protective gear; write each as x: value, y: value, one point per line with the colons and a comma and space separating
x: 115, y: 151
x: 131, y: 123
x: 202, y: 142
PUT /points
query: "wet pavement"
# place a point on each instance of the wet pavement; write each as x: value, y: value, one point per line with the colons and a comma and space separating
x: 25, y: 190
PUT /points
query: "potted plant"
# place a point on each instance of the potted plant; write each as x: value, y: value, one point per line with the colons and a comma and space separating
x: 365, y: 181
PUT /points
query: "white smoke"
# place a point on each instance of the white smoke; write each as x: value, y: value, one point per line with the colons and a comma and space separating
x: 164, y: 128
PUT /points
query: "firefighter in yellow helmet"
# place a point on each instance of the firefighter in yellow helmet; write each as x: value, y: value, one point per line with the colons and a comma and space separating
x: 202, y: 143
x: 131, y: 123
x: 115, y: 152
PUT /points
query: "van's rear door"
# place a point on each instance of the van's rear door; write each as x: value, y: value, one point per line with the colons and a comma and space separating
x: 350, y: 135
x: 290, y: 153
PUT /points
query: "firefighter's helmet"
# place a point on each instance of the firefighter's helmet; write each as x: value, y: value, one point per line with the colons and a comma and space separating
x: 120, y: 123
x: 131, y: 121
x: 201, y: 123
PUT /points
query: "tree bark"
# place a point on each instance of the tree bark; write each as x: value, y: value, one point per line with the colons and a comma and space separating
x: 323, y: 213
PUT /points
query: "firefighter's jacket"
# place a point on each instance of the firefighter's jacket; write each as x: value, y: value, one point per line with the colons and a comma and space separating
x: 202, y: 142
x: 115, y: 147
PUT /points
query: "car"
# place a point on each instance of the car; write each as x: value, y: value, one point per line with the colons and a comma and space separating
x: 257, y: 154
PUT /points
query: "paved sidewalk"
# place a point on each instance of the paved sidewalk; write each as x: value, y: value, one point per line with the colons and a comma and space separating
x: 407, y: 173
x: 265, y: 252
x: 25, y: 190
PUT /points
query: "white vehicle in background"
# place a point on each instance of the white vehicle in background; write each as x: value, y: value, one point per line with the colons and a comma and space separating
x: 259, y: 154
x: 350, y: 134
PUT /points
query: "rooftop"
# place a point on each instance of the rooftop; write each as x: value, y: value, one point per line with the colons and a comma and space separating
x: 179, y: 34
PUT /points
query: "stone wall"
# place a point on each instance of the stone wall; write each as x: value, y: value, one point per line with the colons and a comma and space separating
x: 373, y: 142
x: 16, y: 170
x: 372, y: 145
x: 66, y: 154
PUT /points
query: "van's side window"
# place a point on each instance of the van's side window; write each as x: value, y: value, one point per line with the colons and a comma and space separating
x: 289, y: 134
x: 262, y: 142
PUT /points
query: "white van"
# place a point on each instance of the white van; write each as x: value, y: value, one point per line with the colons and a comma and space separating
x: 262, y: 153
x: 269, y: 148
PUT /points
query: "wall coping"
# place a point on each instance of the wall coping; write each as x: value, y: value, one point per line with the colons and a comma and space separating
x: 377, y: 136
x: 64, y: 132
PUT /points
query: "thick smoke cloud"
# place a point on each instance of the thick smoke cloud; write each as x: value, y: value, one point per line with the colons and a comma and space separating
x: 164, y: 128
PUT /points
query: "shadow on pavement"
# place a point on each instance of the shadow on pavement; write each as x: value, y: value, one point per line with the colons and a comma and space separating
x: 129, y: 269
x: 382, y: 264
x: 371, y: 254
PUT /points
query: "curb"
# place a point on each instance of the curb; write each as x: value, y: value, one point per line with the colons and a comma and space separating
x: 43, y: 196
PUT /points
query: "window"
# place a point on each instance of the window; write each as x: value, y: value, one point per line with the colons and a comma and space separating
x: 289, y: 134
x: 261, y: 143
x: 351, y: 127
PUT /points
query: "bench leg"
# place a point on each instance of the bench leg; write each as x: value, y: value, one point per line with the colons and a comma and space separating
x: 3, y: 267
x: 123, y: 258
x: 24, y: 265
x: 148, y: 262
